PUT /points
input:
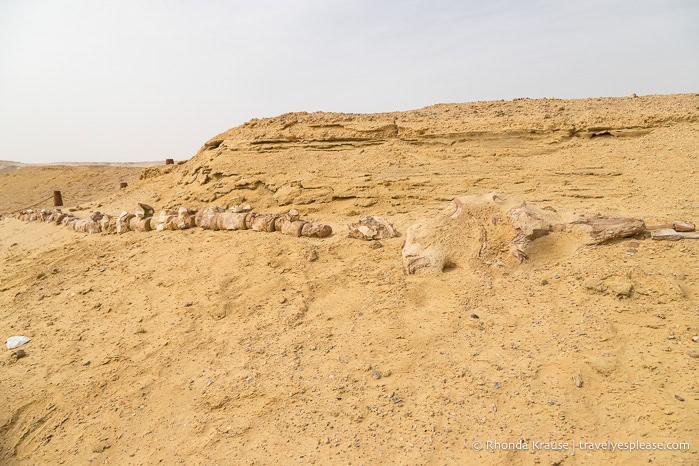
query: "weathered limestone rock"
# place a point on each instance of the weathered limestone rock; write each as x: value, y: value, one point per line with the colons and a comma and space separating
x: 287, y: 194
x: 372, y: 228
x: 683, y: 226
x: 668, y: 234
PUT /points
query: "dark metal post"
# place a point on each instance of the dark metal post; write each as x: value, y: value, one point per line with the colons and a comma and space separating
x: 57, y: 199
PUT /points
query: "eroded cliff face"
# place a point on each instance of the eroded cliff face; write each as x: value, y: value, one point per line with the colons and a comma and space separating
x: 560, y: 150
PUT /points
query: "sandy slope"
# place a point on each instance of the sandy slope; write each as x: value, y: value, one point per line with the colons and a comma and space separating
x: 274, y: 360
x: 29, y: 185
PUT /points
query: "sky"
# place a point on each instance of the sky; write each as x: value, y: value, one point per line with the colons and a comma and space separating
x: 111, y: 81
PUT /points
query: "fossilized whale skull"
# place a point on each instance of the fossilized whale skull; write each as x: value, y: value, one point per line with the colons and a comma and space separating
x: 492, y: 227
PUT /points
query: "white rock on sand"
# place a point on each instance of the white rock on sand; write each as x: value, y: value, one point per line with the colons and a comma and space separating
x: 17, y: 341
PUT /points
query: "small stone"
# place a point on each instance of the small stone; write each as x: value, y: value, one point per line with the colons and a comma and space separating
x: 189, y: 304
x: 376, y: 374
x: 683, y: 225
x: 100, y: 447
x: 372, y: 228
x: 693, y: 354
x: 17, y: 355
x: 17, y: 341
x: 282, y: 300
x: 677, y: 397
x: 544, y: 282
x: 695, y: 339
x: 86, y: 363
x: 140, y: 330
x: 622, y: 289
x: 594, y: 284
x: 556, y: 277
x: 668, y: 234
x: 578, y: 381
x: 375, y: 244
x: 312, y: 255
x: 238, y: 209
x: 474, y: 316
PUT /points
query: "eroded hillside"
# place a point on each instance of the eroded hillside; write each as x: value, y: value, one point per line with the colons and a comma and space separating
x: 221, y: 347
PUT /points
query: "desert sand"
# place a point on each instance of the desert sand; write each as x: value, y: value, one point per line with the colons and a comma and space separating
x: 237, y: 347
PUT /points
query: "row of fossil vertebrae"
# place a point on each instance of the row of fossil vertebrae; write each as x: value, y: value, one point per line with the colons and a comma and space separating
x: 210, y: 218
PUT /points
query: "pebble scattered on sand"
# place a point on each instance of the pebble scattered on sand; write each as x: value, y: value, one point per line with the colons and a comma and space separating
x: 17, y: 341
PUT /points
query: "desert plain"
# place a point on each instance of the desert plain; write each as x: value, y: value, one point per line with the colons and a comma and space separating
x: 198, y: 346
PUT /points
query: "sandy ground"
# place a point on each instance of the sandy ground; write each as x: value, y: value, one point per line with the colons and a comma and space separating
x: 34, y: 186
x: 204, y: 347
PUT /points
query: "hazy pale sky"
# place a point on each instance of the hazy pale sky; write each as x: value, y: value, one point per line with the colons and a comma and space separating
x: 88, y: 80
